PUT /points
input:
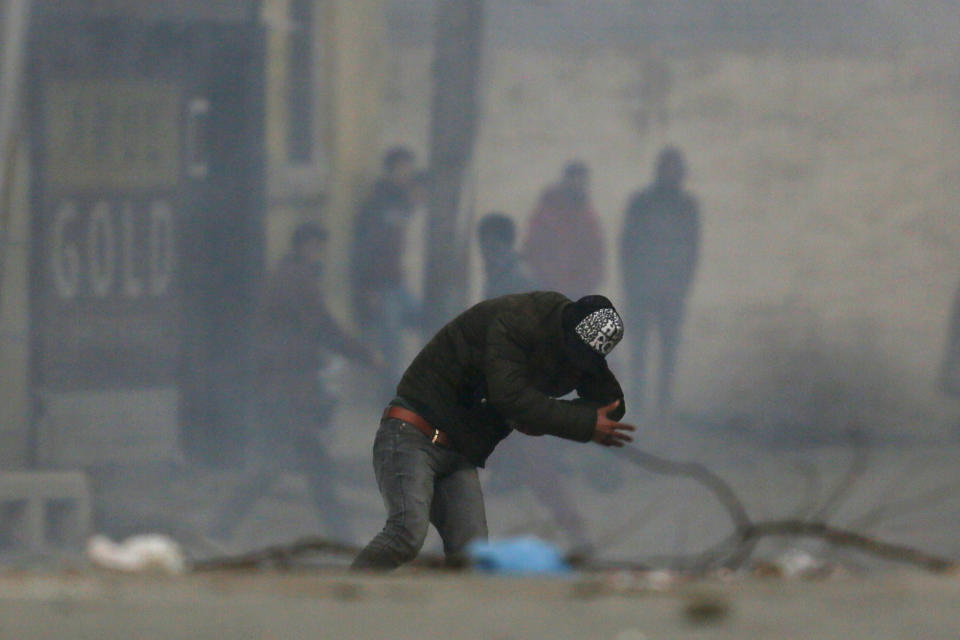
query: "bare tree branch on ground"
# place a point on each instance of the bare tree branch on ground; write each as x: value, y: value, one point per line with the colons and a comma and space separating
x: 732, y: 552
x: 735, y: 550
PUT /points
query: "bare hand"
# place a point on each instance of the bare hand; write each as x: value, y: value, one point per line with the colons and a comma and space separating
x: 611, y: 433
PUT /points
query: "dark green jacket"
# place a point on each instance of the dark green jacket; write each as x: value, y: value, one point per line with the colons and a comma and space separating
x: 500, y: 365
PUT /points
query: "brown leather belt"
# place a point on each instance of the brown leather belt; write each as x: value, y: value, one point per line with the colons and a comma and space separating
x: 436, y: 436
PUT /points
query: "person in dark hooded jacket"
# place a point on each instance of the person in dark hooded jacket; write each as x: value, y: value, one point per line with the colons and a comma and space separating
x: 500, y: 366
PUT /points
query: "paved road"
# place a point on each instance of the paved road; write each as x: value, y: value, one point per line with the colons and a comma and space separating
x: 426, y: 606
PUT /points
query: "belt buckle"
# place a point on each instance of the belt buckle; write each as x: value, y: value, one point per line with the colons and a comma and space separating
x: 436, y: 436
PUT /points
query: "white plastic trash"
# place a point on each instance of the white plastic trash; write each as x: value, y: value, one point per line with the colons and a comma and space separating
x: 149, y: 552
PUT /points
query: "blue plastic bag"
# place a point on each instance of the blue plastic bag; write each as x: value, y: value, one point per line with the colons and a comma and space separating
x: 525, y: 555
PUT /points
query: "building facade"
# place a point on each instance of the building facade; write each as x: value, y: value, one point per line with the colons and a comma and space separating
x: 166, y: 149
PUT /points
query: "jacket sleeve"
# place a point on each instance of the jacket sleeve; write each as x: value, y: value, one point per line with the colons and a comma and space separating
x: 317, y: 320
x: 599, y: 391
x: 334, y: 338
x: 510, y: 340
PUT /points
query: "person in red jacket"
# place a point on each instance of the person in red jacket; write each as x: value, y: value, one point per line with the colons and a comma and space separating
x: 564, y: 244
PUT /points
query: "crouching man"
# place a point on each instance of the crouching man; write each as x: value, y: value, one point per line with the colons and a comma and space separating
x: 499, y: 366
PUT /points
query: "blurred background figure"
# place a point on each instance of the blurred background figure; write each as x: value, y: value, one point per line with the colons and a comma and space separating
x: 656, y: 82
x: 295, y: 334
x: 564, y: 242
x: 503, y: 268
x: 659, y: 250
x: 384, y: 304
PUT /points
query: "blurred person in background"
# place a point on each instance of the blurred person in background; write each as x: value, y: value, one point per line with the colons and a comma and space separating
x: 503, y: 269
x: 384, y: 304
x: 564, y: 243
x: 656, y: 82
x: 294, y: 335
x: 524, y: 462
x: 501, y: 365
x: 659, y: 251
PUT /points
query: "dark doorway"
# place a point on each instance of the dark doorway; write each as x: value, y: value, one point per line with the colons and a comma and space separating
x: 148, y: 174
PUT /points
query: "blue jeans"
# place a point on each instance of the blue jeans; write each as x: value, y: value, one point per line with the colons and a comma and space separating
x: 421, y: 483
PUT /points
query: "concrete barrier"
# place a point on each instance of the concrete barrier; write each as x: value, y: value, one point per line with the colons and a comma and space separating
x: 43, y: 510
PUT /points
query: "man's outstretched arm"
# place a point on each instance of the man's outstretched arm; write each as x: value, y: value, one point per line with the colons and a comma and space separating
x: 509, y: 342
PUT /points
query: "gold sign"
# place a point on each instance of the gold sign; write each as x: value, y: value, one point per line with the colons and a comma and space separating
x: 117, y: 134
